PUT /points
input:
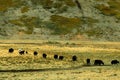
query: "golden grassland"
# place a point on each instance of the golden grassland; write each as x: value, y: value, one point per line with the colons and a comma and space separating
x: 50, y: 69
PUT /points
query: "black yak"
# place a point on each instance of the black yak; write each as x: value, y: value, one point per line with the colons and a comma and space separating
x: 44, y: 55
x: 35, y: 53
x: 88, y: 61
x: 114, y: 62
x: 11, y: 50
x: 55, y: 56
x: 98, y: 62
x: 74, y: 58
x: 61, y: 57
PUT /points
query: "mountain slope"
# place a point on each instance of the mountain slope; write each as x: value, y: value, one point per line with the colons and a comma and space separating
x: 60, y: 19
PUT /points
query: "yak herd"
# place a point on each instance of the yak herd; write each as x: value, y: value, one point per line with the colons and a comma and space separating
x: 74, y: 58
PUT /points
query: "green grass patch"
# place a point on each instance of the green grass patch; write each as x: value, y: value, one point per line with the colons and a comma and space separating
x: 48, y: 4
x: 65, y: 25
x: 29, y: 22
x: 24, y: 9
x: 6, y: 4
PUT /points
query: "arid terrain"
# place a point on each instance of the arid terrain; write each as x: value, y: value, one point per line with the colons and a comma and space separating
x: 14, y: 66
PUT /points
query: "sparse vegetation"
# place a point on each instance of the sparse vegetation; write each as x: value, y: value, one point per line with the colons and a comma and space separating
x: 29, y: 22
x: 6, y: 4
x: 65, y: 25
x: 48, y: 4
x: 25, y: 9
x: 60, y: 18
x: 106, y: 10
x: 111, y: 10
x: 69, y: 3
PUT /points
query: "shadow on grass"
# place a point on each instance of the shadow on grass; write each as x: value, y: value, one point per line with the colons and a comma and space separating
x: 51, y: 69
x: 42, y: 70
x: 95, y: 65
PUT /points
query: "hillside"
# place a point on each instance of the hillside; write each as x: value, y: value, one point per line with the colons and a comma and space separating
x: 60, y: 19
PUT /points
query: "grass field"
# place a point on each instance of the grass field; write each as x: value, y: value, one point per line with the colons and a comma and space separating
x: 14, y: 66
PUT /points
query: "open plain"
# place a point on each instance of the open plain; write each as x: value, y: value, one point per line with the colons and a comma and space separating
x: 14, y: 66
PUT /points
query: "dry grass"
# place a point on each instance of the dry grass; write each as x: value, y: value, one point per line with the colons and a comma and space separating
x: 50, y: 69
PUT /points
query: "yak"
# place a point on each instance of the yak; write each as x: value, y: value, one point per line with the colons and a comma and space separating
x: 61, y: 57
x: 114, y: 62
x: 55, y: 56
x: 74, y: 58
x: 11, y: 50
x: 98, y: 62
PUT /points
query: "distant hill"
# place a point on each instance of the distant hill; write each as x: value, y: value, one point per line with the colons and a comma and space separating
x: 60, y: 19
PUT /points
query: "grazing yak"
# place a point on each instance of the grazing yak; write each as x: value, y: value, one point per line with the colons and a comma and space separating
x: 21, y: 51
x: 55, y: 56
x: 44, y: 55
x: 98, y: 62
x: 61, y: 57
x: 11, y: 50
x: 88, y: 61
x: 74, y: 58
x: 35, y: 53
x: 114, y: 62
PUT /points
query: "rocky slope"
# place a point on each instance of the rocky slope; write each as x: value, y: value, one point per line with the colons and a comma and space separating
x: 60, y: 19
